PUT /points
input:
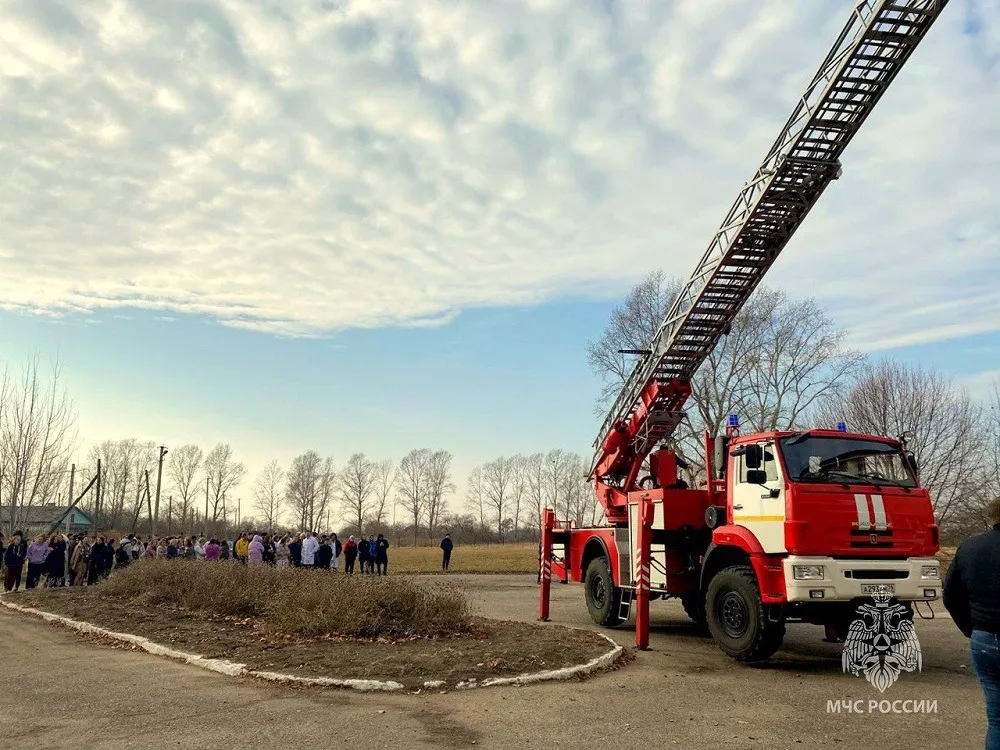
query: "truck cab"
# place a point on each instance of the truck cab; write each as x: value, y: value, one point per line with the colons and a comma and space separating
x: 791, y: 527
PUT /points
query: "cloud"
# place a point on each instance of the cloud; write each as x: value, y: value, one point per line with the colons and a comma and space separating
x: 299, y: 168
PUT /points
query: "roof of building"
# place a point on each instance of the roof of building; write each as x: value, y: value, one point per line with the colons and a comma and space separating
x: 39, y: 515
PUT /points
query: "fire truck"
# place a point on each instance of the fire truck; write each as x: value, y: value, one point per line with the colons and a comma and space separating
x: 786, y: 526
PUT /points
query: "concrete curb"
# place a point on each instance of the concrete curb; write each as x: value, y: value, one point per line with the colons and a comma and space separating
x: 233, y: 669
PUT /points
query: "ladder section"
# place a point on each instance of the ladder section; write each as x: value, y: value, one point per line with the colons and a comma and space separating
x: 868, y: 54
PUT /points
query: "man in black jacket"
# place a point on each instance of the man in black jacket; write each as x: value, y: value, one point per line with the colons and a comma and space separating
x: 972, y: 596
x: 446, y: 548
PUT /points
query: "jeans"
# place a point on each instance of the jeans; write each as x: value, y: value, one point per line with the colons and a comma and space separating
x: 986, y: 662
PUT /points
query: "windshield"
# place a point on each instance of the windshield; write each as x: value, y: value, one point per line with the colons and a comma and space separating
x: 844, y: 460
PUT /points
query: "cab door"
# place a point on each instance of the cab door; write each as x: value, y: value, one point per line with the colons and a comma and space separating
x: 759, y: 495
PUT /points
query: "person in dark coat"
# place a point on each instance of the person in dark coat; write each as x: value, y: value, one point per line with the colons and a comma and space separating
x: 295, y: 552
x: 381, y: 555
x: 55, y: 563
x: 972, y: 597
x: 446, y: 547
x: 350, y: 555
x: 269, y: 553
x: 13, y: 559
x: 324, y: 554
x: 364, y: 557
x: 98, y: 559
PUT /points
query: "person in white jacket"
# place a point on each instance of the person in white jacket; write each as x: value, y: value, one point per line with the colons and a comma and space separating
x: 309, y: 546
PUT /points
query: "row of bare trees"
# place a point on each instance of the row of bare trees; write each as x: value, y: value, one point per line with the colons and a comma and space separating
x: 504, y: 497
x: 361, y: 495
x: 785, y: 365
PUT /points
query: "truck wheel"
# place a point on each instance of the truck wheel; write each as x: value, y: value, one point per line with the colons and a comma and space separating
x: 694, y: 607
x: 738, y: 619
x: 603, y: 597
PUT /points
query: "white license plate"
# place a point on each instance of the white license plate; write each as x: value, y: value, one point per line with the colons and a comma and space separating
x: 875, y: 588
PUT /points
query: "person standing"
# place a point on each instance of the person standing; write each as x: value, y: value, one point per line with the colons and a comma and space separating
x: 242, y: 548
x: 55, y: 563
x: 363, y: 553
x: 13, y: 559
x: 382, y: 555
x: 79, y: 560
x: 324, y: 554
x: 212, y: 551
x: 350, y: 554
x: 38, y: 552
x: 446, y: 547
x: 372, y: 551
x: 295, y: 551
x: 309, y: 546
x: 256, y: 550
x: 337, y: 549
x: 972, y: 597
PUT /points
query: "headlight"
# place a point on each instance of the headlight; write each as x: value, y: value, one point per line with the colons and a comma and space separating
x: 807, y: 572
x: 930, y: 571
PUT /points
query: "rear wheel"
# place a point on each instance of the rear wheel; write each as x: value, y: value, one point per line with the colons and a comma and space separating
x: 737, y: 618
x: 603, y: 597
x: 694, y: 606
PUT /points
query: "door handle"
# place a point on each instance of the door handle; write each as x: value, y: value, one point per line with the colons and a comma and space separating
x: 737, y: 507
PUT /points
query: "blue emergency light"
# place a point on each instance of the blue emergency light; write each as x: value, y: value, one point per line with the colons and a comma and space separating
x: 841, y: 426
x: 734, y: 421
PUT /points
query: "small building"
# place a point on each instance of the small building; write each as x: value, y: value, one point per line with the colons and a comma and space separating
x: 39, y: 519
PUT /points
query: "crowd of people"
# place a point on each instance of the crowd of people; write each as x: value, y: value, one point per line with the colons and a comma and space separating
x: 76, y: 560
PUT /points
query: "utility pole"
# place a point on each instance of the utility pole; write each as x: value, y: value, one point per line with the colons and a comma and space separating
x: 159, y: 476
x: 170, y: 511
x: 97, y: 506
x: 72, y: 475
x: 205, y: 525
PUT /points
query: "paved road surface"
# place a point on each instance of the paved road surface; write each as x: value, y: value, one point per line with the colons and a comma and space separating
x: 61, y: 690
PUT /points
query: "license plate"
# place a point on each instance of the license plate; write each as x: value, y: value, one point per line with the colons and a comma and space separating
x: 877, y: 588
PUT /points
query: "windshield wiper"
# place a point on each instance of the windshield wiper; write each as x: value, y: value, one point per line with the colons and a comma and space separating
x: 880, y: 478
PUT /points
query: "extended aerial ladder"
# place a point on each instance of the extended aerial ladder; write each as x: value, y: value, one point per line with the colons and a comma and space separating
x: 870, y: 51
x: 876, y: 42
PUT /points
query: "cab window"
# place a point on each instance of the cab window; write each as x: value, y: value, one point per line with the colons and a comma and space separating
x: 770, y: 465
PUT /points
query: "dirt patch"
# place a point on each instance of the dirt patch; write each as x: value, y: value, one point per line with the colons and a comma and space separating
x: 492, y: 648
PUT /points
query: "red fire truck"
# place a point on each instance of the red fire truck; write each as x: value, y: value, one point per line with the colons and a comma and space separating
x: 790, y: 526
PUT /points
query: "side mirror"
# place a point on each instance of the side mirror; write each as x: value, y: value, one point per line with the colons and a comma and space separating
x: 913, y: 463
x: 753, y: 457
x: 756, y: 476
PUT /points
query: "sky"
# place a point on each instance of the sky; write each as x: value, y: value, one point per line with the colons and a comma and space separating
x: 352, y: 225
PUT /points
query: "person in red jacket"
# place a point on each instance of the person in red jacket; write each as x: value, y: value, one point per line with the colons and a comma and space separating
x: 350, y: 555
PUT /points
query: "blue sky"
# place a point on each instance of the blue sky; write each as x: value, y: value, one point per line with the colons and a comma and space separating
x: 375, y: 226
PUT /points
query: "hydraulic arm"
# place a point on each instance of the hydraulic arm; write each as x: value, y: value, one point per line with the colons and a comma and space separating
x: 876, y: 42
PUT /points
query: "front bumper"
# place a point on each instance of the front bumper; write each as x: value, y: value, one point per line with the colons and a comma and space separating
x: 844, y: 580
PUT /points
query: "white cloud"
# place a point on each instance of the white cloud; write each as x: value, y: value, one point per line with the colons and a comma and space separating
x: 302, y: 167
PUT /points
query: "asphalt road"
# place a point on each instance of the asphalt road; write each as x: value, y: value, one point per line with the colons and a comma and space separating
x: 61, y: 689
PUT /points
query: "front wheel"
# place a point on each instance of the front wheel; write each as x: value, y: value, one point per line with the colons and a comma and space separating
x: 604, y: 599
x: 737, y: 618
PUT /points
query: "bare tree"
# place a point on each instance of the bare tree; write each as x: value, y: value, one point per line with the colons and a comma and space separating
x: 941, y: 423
x: 182, y: 471
x: 358, y: 484
x: 518, y: 488
x: 384, y: 486
x: 37, y: 437
x: 780, y: 358
x: 413, y: 485
x: 267, y: 493
x: 439, y: 486
x: 475, y: 496
x: 223, y: 473
x: 327, y: 491
x: 497, y: 481
x: 304, y: 488
x: 632, y: 325
x: 536, y: 481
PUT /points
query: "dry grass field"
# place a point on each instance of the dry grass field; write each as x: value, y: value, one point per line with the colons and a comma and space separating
x: 494, y: 558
